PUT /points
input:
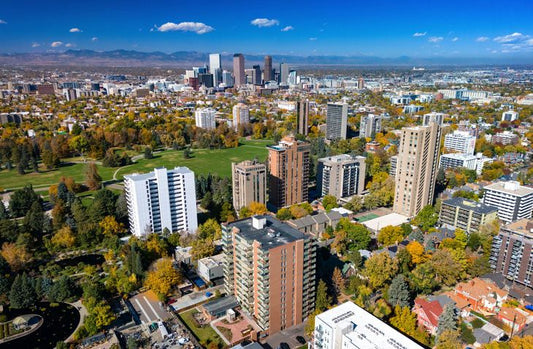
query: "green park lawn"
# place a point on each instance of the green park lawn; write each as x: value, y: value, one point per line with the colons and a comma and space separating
x: 203, y: 161
x: 204, y: 334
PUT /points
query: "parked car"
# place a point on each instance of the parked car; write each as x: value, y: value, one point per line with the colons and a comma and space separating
x: 301, y: 339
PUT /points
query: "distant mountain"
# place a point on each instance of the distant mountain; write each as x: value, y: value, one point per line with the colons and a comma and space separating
x: 184, y: 59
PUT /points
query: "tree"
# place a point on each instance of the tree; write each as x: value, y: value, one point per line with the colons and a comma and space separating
x: 202, y: 248
x: 447, y: 270
x: 284, y: 214
x: 338, y: 281
x: 92, y: 178
x: 163, y: 277
x: 404, y: 320
x: 323, y: 301
x: 329, y: 202
x: 298, y: 212
x: 34, y: 219
x: 210, y: 229
x: 379, y: 269
x: 417, y: 252
x: 16, y: 256
x: 111, y: 227
x: 148, y: 153
x: 399, y: 293
x: 426, y: 218
x: 350, y: 236
x: 64, y: 238
x: 449, y: 340
x: 22, y: 294
x: 21, y: 201
x: 447, y: 320
x: 355, y: 204
x: 257, y: 208
x: 390, y: 235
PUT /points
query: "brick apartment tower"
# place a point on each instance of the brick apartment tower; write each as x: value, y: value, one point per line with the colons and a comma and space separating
x: 288, y: 168
x: 249, y: 183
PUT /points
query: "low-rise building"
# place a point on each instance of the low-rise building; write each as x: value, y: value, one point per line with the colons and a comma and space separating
x: 456, y: 160
x: 316, y: 225
x: 466, y: 214
x: 505, y: 138
x: 211, y: 268
x: 461, y: 142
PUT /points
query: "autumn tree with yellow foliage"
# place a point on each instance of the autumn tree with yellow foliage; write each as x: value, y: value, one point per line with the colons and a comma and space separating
x: 162, y: 278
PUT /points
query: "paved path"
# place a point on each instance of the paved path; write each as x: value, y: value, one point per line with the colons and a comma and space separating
x: 83, y: 314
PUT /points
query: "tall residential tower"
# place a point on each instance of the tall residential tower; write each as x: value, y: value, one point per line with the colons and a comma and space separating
x: 249, y: 183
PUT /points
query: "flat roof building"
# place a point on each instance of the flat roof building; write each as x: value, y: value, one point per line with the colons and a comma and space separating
x: 513, y: 200
x: 341, y: 175
x: 336, y: 121
x: 461, y: 142
x: 466, y: 214
x: 249, y: 180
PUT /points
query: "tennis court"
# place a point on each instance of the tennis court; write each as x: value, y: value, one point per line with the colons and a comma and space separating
x: 367, y: 217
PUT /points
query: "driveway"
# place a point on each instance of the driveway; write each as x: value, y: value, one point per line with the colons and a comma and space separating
x: 287, y: 336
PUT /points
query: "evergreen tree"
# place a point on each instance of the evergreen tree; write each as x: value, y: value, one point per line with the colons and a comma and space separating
x: 34, y: 219
x: 323, y: 301
x: 21, y: 201
x: 3, y: 212
x: 399, y: 293
x: 22, y: 293
x: 447, y: 320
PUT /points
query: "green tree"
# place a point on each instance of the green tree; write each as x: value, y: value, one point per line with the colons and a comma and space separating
x: 329, y: 202
x: 148, y: 153
x: 21, y: 201
x: 390, y: 235
x: 379, y: 269
x: 323, y: 301
x: 447, y: 320
x: 22, y: 293
x: 34, y: 219
x: 399, y: 292
x: 447, y: 270
x: 284, y: 214
x: 426, y: 218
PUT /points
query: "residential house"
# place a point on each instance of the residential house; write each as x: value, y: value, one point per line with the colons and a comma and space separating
x: 515, y: 318
x: 481, y: 295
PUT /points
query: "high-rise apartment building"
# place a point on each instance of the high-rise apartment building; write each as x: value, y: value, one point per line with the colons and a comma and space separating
x: 461, y: 142
x: 512, y: 252
x: 161, y: 199
x: 349, y: 326
x: 215, y: 68
x: 336, y: 121
x: 249, y: 180
x: 509, y: 115
x: 270, y: 268
x: 341, y: 175
x: 302, y: 117
x: 205, y: 118
x: 288, y: 170
x: 513, y: 200
x: 241, y: 115
x: 284, y: 74
x: 369, y: 126
x: 417, y: 166
x: 239, y: 76
x: 267, y: 74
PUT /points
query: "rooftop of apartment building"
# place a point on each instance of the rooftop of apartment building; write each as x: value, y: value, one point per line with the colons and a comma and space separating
x: 523, y: 226
x: 470, y: 205
x: 267, y: 230
x: 510, y: 187
x: 341, y: 158
x: 145, y: 176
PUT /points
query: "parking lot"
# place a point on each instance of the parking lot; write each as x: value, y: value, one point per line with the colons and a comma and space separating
x: 286, y: 336
x: 149, y: 308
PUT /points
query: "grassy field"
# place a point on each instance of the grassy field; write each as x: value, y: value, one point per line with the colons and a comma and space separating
x: 203, y: 161
x: 204, y: 334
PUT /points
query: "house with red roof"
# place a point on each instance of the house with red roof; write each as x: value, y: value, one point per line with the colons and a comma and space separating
x: 516, y: 319
x: 427, y: 313
x: 481, y: 295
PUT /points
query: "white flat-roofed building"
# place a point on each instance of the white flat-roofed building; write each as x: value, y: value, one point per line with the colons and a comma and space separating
x: 460, y: 141
x: 161, y: 199
x: 211, y: 268
x: 509, y: 115
x: 513, y: 200
x: 471, y: 162
x: 349, y: 326
x: 205, y: 118
x: 341, y: 175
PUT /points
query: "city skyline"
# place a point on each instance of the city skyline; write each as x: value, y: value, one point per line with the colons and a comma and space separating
x: 386, y: 29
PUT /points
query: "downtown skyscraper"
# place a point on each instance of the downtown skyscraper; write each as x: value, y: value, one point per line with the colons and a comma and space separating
x: 267, y: 74
x: 215, y: 68
x: 239, y: 75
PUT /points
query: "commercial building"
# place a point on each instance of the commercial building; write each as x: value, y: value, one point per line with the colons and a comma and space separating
x: 239, y: 77
x: 270, y: 268
x: 161, y: 199
x: 302, y: 117
x: 284, y: 74
x: 349, y: 326
x: 241, y: 115
x: 215, y: 68
x: 466, y: 214
x: 512, y: 251
x: 227, y: 79
x: 249, y: 180
x: 369, y: 126
x: 205, y: 118
x: 288, y: 169
x: 416, y: 168
x: 341, y: 175
x: 471, y: 162
x: 513, y: 200
x: 267, y: 74
x: 461, y: 142
x: 256, y: 75
x: 336, y: 121
x: 509, y: 115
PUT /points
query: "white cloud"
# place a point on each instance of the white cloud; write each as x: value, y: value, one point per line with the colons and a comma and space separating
x: 287, y: 28
x: 2, y: 21
x: 195, y: 27
x: 313, y: 39
x: 482, y: 39
x: 435, y: 39
x: 35, y: 44
x: 75, y: 30
x: 264, y: 22
x: 56, y: 44
x: 455, y: 39
x: 94, y: 38
x: 70, y: 45
x: 514, y: 37
x: 419, y: 34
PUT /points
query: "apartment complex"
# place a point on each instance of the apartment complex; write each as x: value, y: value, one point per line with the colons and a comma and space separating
x: 512, y: 251
x: 416, y: 168
x: 369, y: 126
x: 241, y: 115
x: 505, y: 138
x: 466, y: 214
x: 512, y: 200
x: 471, y: 162
x: 341, y: 175
x: 288, y: 169
x: 249, y: 180
x: 302, y: 117
x: 461, y: 142
x: 161, y: 199
x: 336, y: 121
x: 349, y: 326
x: 205, y: 118
x: 509, y: 115
x: 270, y: 268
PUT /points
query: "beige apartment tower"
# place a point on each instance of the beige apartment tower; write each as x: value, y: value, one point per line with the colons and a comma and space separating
x: 288, y: 169
x: 302, y: 117
x: 416, y: 168
x: 270, y: 268
x: 249, y: 183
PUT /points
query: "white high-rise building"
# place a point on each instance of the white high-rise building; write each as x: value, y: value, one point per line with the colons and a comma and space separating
x: 460, y: 141
x: 227, y: 78
x: 349, y: 326
x: 161, y: 199
x: 241, y: 114
x: 513, y: 200
x: 215, y: 68
x: 336, y: 121
x: 205, y: 118
x: 369, y: 126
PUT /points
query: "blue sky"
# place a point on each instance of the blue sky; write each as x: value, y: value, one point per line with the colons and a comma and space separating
x: 373, y: 27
